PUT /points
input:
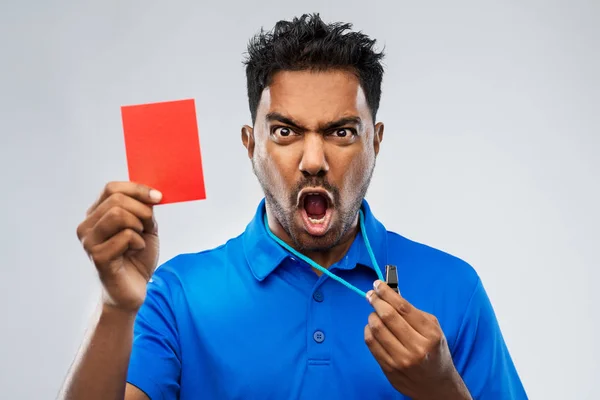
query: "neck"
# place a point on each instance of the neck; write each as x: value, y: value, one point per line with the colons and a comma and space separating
x: 325, y: 258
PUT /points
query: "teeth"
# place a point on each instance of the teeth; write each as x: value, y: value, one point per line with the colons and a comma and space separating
x: 316, y: 221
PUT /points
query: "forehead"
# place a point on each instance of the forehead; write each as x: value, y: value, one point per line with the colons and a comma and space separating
x: 313, y: 97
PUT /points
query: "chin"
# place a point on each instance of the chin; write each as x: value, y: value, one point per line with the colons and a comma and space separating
x: 323, y: 242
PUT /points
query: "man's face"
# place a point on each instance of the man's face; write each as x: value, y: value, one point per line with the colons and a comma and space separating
x: 313, y: 149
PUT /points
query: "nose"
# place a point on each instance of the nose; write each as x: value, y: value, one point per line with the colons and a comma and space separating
x: 314, y: 162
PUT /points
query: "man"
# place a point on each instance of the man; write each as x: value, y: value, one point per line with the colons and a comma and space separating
x: 260, y: 317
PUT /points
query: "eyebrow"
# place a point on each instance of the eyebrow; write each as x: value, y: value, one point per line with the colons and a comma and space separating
x: 275, y: 116
x: 352, y: 120
x: 341, y: 123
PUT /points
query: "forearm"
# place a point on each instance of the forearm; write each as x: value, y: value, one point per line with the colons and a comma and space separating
x: 100, y: 368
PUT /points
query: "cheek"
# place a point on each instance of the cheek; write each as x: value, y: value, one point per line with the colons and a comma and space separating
x: 274, y: 172
x: 285, y: 160
x: 355, y: 173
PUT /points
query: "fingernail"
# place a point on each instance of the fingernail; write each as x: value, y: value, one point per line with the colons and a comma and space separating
x: 369, y: 295
x: 155, y: 195
x: 376, y: 284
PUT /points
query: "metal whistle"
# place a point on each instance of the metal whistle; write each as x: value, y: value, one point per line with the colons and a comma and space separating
x: 391, y: 277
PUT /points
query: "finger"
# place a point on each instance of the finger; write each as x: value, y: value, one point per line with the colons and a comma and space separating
x: 104, y: 253
x: 415, y: 317
x: 381, y: 355
x: 112, y: 222
x: 394, y: 323
x: 137, y: 191
x: 386, y: 338
x: 143, y: 211
x: 119, y: 200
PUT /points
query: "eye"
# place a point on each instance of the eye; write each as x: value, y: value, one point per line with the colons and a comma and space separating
x: 282, y: 131
x: 344, y: 133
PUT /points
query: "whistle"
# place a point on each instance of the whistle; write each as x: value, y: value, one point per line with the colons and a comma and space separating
x: 391, y: 277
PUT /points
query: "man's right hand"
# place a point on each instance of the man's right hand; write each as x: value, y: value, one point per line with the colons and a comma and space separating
x: 120, y: 235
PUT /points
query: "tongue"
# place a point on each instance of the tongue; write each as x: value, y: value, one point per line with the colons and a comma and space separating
x: 315, y: 206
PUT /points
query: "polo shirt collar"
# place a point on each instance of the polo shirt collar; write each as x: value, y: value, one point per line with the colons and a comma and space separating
x: 264, y: 255
x: 377, y: 235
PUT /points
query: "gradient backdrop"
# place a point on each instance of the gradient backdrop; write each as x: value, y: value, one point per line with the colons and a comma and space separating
x: 490, y: 153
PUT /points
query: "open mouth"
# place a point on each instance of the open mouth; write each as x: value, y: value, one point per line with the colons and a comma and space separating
x: 316, y: 209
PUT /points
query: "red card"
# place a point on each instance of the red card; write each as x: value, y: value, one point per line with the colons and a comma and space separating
x: 163, y: 149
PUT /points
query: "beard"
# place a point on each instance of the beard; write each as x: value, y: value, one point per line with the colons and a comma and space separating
x: 284, y: 209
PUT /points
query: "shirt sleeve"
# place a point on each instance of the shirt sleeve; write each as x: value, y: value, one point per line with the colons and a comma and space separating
x: 155, y: 362
x: 481, y: 356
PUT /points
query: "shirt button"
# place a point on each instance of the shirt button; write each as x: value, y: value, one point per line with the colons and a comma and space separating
x: 318, y: 296
x: 319, y: 336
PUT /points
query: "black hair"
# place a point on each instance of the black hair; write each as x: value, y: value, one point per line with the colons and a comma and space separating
x: 308, y: 43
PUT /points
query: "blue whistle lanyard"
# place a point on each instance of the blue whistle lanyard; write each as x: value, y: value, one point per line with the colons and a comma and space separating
x: 363, y: 230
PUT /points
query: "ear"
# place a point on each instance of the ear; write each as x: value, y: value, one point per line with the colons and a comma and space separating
x: 378, y: 137
x: 248, y: 140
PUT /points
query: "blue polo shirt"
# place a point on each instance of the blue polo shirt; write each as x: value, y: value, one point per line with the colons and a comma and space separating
x: 249, y: 321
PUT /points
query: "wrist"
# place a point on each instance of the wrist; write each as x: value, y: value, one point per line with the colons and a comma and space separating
x: 112, y: 314
x: 457, y: 388
x: 450, y: 388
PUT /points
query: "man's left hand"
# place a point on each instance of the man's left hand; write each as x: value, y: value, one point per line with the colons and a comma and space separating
x: 411, y: 348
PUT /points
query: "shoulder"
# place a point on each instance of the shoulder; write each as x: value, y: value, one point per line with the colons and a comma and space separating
x: 205, y: 265
x: 430, y: 276
x: 422, y: 258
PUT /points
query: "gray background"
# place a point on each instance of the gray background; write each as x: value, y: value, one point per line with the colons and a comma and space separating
x: 490, y: 153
